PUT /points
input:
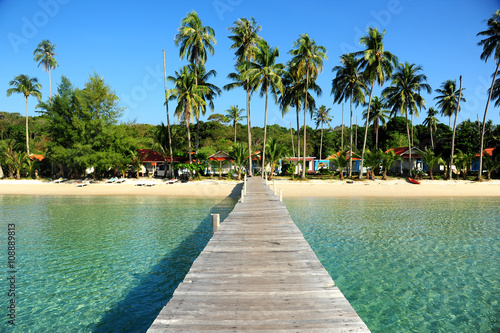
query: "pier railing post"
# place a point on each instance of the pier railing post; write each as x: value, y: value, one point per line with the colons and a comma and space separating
x: 245, y: 185
x: 274, y: 186
x: 281, y: 194
x: 242, y: 200
x: 215, y: 222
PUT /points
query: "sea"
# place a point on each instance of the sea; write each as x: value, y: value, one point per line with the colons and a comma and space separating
x: 110, y: 264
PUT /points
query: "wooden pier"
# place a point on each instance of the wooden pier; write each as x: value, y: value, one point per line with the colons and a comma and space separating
x: 258, y: 274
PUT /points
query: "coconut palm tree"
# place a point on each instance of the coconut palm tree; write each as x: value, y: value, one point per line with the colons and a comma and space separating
x: 239, y: 156
x: 491, y: 46
x: 374, y: 159
x: 349, y: 84
x: 266, y: 74
x: 404, y: 93
x: 431, y: 160
x: 322, y: 117
x: 388, y: 159
x: 431, y: 122
x: 23, y: 84
x: 275, y: 152
x: 377, y: 65
x: 293, y: 96
x: 212, y: 91
x: 44, y: 54
x: 308, y: 62
x: 491, y: 163
x: 234, y: 114
x: 340, y: 162
x: 449, y: 102
x: 245, y: 37
x: 189, y: 97
x: 378, y: 116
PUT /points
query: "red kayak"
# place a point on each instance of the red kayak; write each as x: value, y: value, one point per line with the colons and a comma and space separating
x: 413, y: 181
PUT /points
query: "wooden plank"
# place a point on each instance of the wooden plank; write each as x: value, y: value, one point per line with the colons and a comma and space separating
x: 258, y: 274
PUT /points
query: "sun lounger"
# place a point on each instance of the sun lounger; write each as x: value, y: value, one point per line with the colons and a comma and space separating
x: 82, y: 184
x: 60, y: 180
x: 149, y: 183
x: 172, y: 181
x: 111, y: 180
x: 120, y: 180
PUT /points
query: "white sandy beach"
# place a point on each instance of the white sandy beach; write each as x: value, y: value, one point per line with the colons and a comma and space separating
x: 214, y: 188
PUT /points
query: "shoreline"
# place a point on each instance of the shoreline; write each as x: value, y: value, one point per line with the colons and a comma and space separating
x: 295, y: 189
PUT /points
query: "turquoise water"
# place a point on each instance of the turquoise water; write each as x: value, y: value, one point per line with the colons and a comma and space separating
x: 410, y: 265
x: 99, y: 264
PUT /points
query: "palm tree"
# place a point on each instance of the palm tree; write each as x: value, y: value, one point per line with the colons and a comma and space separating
x: 431, y: 160
x: 234, y: 114
x: 491, y: 46
x: 169, y: 133
x: 388, y: 159
x: 17, y: 160
x: 431, y: 122
x: 244, y: 41
x: 378, y: 116
x: 404, y: 93
x: 377, y: 66
x: 275, y: 152
x: 349, y: 84
x: 308, y: 62
x: 340, y: 162
x: 321, y: 117
x: 463, y: 162
x: 189, y: 96
x: 293, y: 96
x: 449, y: 102
x: 266, y: 73
x: 239, y: 155
x: 44, y: 54
x: 211, y: 92
x: 374, y: 160
x: 23, y: 84
x: 491, y: 163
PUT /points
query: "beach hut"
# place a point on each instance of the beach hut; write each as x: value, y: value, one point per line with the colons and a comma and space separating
x: 155, y: 163
x: 297, y: 161
x: 356, y: 162
x: 400, y: 167
x: 225, y: 162
x: 475, y: 163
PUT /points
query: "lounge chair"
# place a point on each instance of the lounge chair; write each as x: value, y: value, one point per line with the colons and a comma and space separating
x: 149, y: 183
x: 172, y: 181
x: 140, y: 183
x: 60, y: 180
x: 120, y: 180
x: 111, y: 180
x: 83, y: 183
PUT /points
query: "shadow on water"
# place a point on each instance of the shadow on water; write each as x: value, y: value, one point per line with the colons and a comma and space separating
x: 137, y: 311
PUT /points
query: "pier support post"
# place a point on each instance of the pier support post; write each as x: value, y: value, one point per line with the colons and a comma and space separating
x: 281, y: 194
x: 215, y: 222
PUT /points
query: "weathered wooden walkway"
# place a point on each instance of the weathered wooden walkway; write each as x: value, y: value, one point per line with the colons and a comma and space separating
x: 258, y: 274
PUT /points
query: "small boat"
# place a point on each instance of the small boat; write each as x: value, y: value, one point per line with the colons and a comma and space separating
x: 413, y: 181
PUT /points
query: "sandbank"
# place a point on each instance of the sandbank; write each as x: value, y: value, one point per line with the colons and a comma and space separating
x: 296, y: 189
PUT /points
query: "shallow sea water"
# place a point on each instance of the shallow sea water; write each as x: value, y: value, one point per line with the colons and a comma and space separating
x: 99, y: 264
x: 410, y: 265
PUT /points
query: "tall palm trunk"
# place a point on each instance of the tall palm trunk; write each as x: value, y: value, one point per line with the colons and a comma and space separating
x: 234, y: 125
x: 188, y: 114
x: 168, y: 117
x: 412, y: 129
x: 197, y: 131
x: 298, y: 132
x: 27, y: 134
x: 350, y: 154
x: 50, y: 90
x: 455, y: 126
x: 265, y: 134
x: 249, y: 133
x: 376, y: 127
x: 366, y: 131
x: 432, y: 140
x: 409, y: 142
x: 305, y: 127
x: 321, y: 143
x: 342, y: 138
x: 480, y: 175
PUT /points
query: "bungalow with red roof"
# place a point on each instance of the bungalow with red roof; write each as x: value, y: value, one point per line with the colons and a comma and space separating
x: 156, y: 163
x: 403, y: 166
x: 475, y: 163
x: 297, y: 161
x: 225, y: 163
x: 356, y: 161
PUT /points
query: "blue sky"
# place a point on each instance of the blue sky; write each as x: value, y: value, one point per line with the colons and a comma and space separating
x: 123, y: 41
